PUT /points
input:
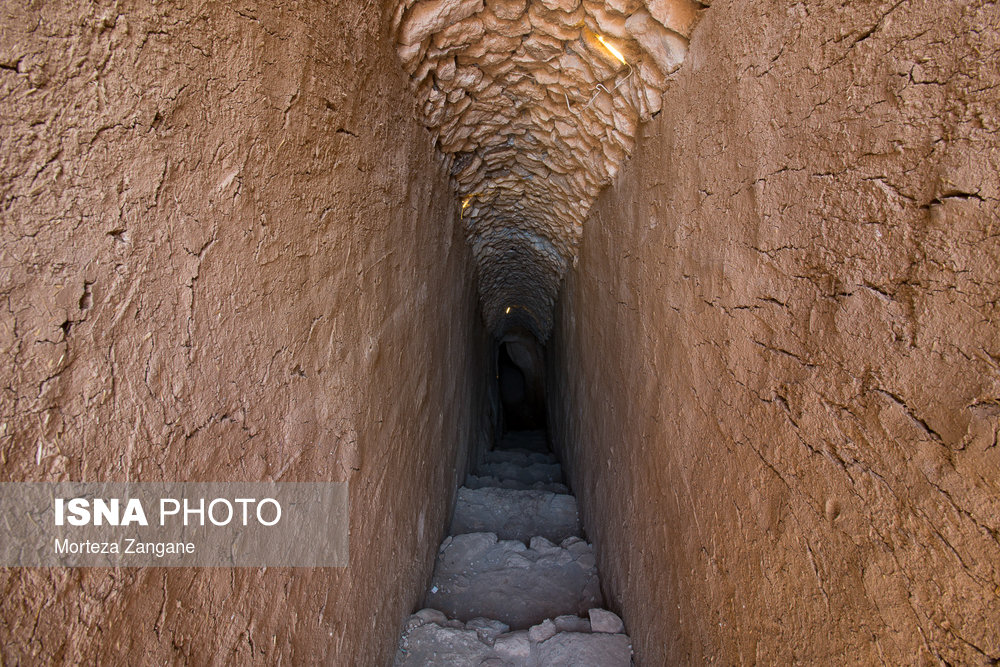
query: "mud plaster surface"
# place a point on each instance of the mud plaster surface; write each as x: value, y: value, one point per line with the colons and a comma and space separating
x: 225, y: 245
x: 780, y: 349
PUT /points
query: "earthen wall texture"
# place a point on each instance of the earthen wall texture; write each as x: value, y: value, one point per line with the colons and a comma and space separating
x: 778, y: 361
x: 228, y: 252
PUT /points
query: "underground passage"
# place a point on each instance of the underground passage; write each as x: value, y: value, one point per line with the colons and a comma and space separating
x: 652, y: 332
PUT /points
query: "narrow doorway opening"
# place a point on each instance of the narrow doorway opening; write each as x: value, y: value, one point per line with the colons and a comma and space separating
x: 521, y: 382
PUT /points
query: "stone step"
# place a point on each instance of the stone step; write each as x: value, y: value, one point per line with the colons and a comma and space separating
x: 529, y: 474
x: 478, y: 575
x: 521, y: 457
x: 430, y: 638
x: 485, y: 481
x: 516, y: 514
x: 534, y: 441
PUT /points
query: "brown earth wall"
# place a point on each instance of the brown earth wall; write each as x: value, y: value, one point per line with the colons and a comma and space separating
x: 227, y: 253
x: 777, y: 364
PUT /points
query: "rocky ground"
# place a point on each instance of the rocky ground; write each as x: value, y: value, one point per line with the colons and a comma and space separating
x: 515, y: 583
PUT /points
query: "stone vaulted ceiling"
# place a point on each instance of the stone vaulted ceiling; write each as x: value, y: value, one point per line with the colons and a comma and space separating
x: 537, y: 102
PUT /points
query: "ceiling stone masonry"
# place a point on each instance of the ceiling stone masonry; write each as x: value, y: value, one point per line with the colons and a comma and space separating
x: 537, y: 102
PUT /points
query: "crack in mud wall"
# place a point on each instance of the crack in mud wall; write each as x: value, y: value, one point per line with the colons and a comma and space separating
x: 228, y: 253
x: 777, y: 366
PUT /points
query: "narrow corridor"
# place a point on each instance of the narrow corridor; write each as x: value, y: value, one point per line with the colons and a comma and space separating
x: 739, y: 262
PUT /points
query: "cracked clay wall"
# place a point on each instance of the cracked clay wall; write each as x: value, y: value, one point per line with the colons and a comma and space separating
x: 227, y: 253
x: 779, y: 354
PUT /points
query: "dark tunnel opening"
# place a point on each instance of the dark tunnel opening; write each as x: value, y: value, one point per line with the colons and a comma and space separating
x: 520, y: 376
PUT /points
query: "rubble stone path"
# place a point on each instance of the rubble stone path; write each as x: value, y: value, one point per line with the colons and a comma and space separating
x: 515, y: 583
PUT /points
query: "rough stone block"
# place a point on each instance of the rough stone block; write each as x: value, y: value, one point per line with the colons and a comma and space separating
x: 602, y: 620
x: 429, y: 16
